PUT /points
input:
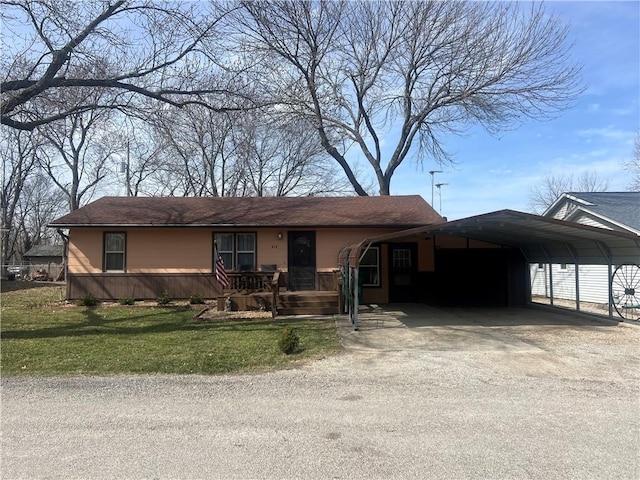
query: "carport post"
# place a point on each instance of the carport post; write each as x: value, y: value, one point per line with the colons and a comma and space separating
x: 546, y: 254
x: 551, y: 283
x: 576, y: 275
x: 356, y: 300
x: 606, y: 253
x: 609, y: 287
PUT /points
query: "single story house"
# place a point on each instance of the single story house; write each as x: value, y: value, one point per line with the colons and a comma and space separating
x: 614, y: 211
x: 382, y: 249
x: 141, y: 246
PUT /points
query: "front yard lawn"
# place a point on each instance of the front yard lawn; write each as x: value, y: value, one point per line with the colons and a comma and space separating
x: 40, y: 335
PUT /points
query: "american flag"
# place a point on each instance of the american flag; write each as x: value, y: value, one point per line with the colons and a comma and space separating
x: 221, y: 274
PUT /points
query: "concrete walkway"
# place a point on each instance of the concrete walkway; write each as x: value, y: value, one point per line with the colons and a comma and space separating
x: 423, y: 327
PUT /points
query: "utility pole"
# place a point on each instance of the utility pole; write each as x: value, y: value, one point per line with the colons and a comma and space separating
x: 439, y: 187
x: 432, y: 173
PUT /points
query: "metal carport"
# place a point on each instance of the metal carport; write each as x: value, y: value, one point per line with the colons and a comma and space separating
x: 539, y: 239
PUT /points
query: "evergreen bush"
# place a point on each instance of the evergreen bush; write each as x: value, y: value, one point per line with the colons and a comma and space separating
x: 87, y: 301
x: 289, y: 340
x: 196, y: 298
x: 164, y: 298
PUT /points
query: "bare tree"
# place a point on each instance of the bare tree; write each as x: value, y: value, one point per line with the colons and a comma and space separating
x: 542, y: 196
x: 633, y: 167
x: 282, y: 158
x: 77, y: 156
x: 198, y: 152
x: 28, y: 203
x: 18, y: 161
x: 366, y: 73
x: 41, y: 203
x: 127, y: 48
x: 138, y: 157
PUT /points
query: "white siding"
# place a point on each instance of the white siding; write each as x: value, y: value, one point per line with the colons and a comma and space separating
x: 585, y: 219
x: 561, y: 213
x: 539, y: 280
x: 564, y: 283
x: 594, y: 282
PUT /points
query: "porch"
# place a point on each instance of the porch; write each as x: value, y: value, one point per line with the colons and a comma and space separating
x: 309, y: 302
x: 266, y: 291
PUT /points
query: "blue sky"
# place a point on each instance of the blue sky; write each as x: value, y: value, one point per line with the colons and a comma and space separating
x: 597, y: 134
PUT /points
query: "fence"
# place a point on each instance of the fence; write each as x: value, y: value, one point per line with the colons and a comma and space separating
x: 48, y: 271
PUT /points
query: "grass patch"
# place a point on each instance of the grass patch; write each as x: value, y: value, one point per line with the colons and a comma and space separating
x: 42, y: 336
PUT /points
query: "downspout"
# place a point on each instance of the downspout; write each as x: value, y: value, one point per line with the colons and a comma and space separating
x: 65, y: 258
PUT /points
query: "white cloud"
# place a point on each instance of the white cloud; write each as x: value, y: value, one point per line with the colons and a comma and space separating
x: 609, y: 133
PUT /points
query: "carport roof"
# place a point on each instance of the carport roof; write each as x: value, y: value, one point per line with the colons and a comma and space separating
x: 541, y: 239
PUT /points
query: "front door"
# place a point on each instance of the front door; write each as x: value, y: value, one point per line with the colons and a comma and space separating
x: 403, y: 272
x: 302, y: 260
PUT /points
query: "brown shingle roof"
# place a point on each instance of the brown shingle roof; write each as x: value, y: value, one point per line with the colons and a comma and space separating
x: 387, y: 211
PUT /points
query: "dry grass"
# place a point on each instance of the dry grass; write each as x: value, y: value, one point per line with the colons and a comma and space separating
x: 42, y: 335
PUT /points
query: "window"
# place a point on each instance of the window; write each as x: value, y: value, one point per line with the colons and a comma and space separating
x: 114, y: 252
x: 224, y: 244
x: 541, y: 266
x: 238, y: 250
x: 246, y: 251
x: 402, y: 258
x: 563, y: 266
x: 370, y: 268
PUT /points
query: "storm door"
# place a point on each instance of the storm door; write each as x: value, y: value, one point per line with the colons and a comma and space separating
x: 302, y: 261
x: 403, y: 270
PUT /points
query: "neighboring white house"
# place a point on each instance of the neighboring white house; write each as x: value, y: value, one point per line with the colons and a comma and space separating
x: 618, y: 211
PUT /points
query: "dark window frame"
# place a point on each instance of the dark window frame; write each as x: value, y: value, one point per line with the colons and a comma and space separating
x: 235, y: 266
x: 106, y: 252
x: 377, y: 266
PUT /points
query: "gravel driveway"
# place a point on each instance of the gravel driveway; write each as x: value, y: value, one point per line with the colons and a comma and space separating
x: 418, y: 393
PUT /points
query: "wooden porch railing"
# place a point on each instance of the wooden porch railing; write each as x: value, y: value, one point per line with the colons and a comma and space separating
x: 274, y: 294
x: 250, y: 281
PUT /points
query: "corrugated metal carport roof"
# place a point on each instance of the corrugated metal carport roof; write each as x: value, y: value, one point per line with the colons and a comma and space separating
x: 541, y: 239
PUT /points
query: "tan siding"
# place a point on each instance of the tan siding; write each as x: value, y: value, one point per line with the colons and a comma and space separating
x: 190, y: 250
x: 450, y: 241
x: 85, y: 250
x: 329, y: 242
x: 426, y: 262
x: 170, y: 250
x: 271, y: 250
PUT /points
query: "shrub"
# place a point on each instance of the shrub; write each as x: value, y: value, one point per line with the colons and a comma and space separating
x: 164, y: 298
x: 127, y: 301
x: 289, y: 340
x: 196, y: 298
x: 87, y: 301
